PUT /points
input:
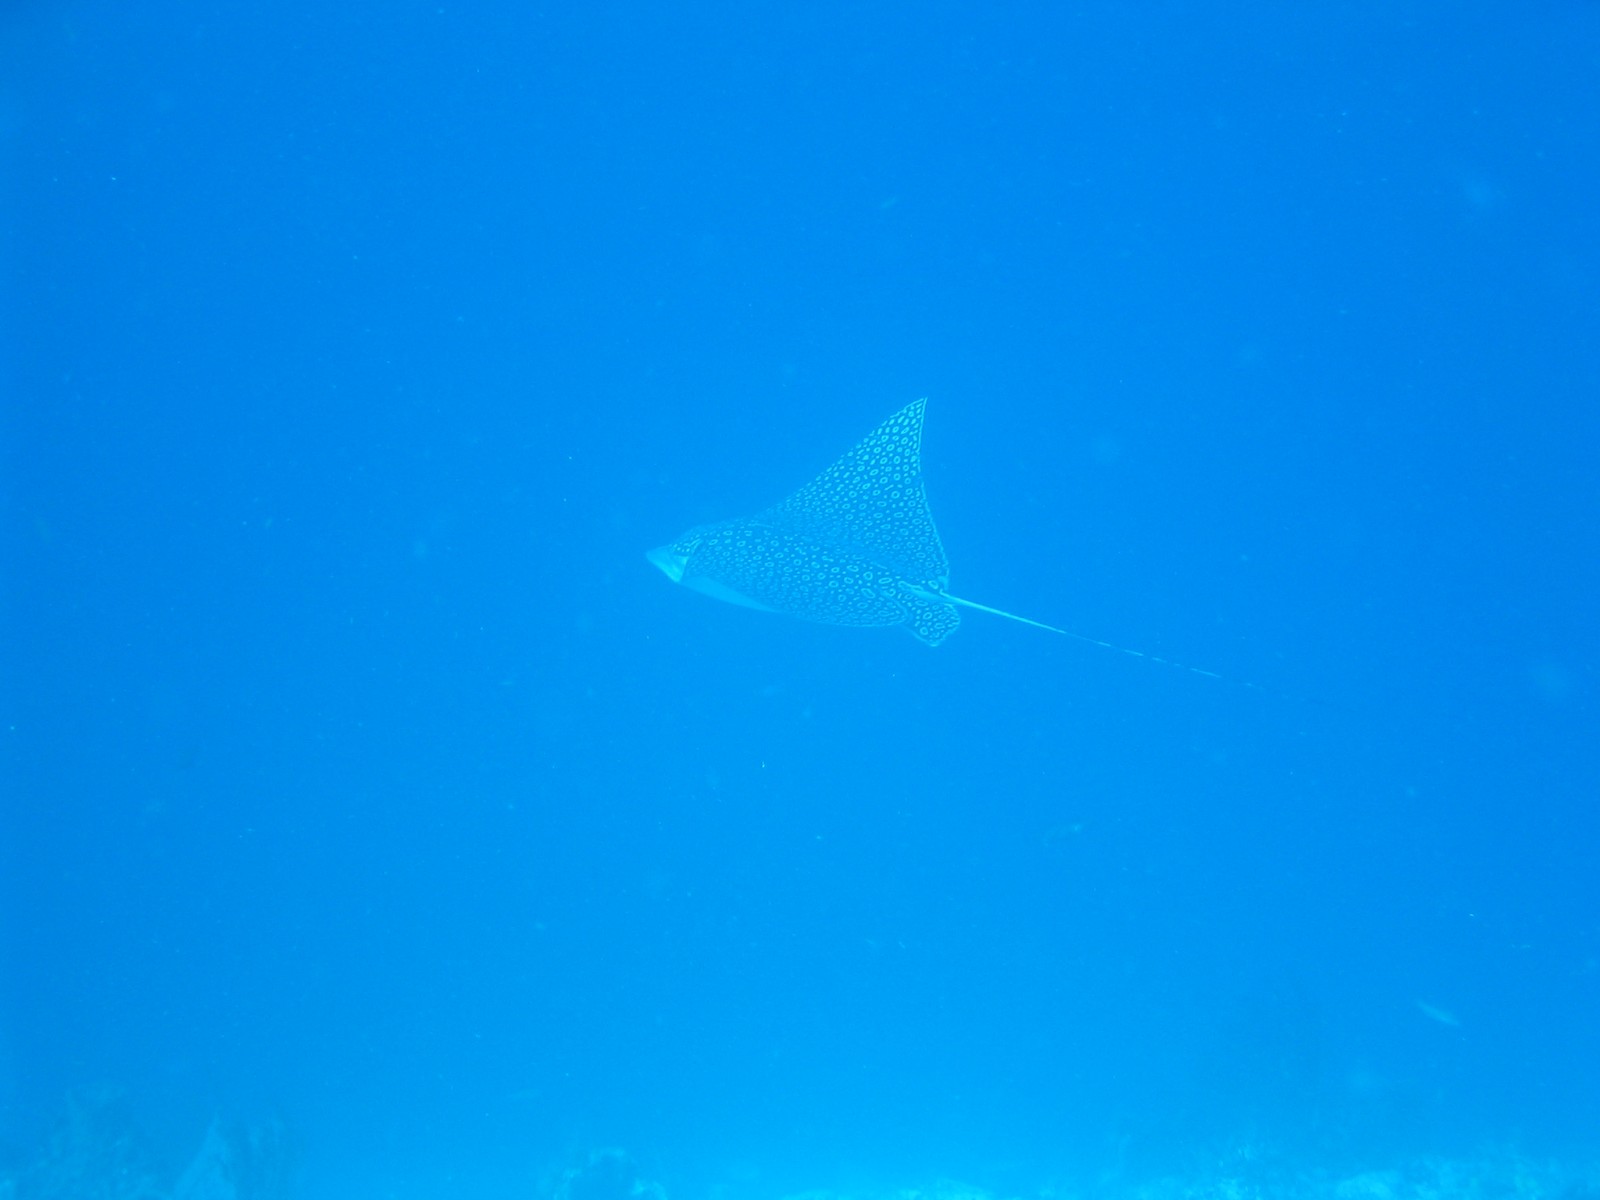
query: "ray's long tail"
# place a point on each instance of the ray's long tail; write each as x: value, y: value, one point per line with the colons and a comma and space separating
x: 1081, y: 637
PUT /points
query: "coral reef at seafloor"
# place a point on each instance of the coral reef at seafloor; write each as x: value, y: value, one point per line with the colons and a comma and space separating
x: 96, y: 1151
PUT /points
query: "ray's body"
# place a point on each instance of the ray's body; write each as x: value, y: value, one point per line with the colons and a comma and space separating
x: 855, y: 546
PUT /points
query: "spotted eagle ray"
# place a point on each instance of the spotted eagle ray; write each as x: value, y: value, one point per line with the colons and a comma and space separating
x: 855, y: 546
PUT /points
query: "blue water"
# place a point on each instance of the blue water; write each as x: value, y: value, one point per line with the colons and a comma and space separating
x: 360, y: 780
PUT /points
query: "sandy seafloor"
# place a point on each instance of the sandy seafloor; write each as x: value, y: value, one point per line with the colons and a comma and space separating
x: 96, y: 1151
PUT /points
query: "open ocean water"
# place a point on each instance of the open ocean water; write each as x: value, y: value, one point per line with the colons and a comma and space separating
x: 377, y: 822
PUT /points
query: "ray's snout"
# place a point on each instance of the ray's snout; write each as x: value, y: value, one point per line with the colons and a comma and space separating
x: 669, y: 560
